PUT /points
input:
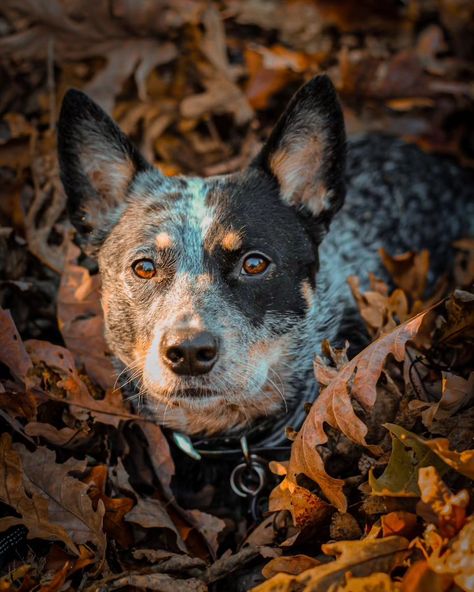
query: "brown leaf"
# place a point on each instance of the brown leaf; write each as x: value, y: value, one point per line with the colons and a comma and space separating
x: 57, y: 506
x: 457, y: 392
x: 377, y: 582
x: 449, y: 509
x: 64, y: 437
x: 68, y: 502
x: 110, y: 410
x: 151, y: 513
x: 421, y: 578
x: 270, y: 69
x: 462, y: 462
x: 115, y: 508
x: 166, y: 561
x: 81, y: 321
x: 12, y: 351
x: 399, y: 523
x: 160, y: 455
x: 360, y: 558
x: 294, y: 565
x: 409, y: 271
x: 458, y: 560
x: 306, y: 508
x: 209, y: 526
x: 157, y: 581
x: 357, y: 379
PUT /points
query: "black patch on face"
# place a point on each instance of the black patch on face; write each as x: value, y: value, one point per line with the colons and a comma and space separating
x: 249, y: 203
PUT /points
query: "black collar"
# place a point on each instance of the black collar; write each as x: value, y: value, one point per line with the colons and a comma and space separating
x: 268, y: 435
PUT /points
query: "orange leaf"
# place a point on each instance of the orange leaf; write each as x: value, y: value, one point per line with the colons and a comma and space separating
x: 357, y: 379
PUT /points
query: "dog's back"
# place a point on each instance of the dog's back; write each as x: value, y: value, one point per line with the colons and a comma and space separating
x: 401, y: 199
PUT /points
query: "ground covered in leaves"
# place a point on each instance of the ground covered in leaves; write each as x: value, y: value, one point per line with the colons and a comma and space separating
x: 377, y: 494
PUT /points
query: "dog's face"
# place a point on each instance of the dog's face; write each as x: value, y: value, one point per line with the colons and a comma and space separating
x: 207, y: 283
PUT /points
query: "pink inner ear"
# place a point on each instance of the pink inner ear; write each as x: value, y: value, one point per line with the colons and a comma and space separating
x: 108, y: 175
x: 297, y: 167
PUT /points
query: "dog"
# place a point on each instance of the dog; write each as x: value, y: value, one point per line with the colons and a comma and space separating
x: 218, y: 292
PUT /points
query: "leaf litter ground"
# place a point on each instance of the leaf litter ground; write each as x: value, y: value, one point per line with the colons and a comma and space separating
x: 377, y: 492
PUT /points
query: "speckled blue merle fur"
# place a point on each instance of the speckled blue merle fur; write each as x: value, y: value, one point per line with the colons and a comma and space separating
x: 197, y: 234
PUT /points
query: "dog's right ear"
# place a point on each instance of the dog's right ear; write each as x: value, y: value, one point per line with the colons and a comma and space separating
x: 97, y: 162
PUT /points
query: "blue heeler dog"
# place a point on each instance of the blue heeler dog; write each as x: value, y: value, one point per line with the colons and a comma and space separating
x: 218, y: 292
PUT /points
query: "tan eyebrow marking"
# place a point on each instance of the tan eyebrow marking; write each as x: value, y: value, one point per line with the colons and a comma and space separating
x: 163, y: 240
x: 307, y: 292
x: 231, y: 241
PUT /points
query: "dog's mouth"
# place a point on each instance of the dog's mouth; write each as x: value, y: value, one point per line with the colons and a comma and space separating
x: 195, y: 393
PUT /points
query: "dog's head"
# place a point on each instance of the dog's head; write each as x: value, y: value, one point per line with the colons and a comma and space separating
x: 207, y: 283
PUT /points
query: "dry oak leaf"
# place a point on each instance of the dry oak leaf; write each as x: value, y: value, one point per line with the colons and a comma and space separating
x: 449, y: 509
x: 306, y: 508
x: 158, y: 582
x: 293, y: 564
x: 12, y: 351
x: 52, y: 504
x: 458, y: 560
x: 167, y: 561
x: 81, y: 321
x: 456, y: 393
x: 360, y: 558
x: 109, y: 410
x: 409, y: 454
x: 376, y: 582
x: 151, y: 513
x: 409, y: 271
x: 421, y: 578
x: 358, y: 380
x: 115, y: 508
x: 381, y: 312
x: 399, y: 523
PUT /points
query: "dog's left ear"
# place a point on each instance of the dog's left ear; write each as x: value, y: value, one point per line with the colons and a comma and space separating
x: 306, y: 150
x: 97, y: 162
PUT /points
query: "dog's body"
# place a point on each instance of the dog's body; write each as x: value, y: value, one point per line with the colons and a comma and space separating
x: 218, y: 292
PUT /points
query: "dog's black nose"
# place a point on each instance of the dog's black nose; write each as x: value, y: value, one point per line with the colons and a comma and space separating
x: 189, y: 351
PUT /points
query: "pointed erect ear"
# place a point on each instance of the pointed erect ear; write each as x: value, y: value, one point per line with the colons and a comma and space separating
x: 306, y: 150
x: 97, y: 161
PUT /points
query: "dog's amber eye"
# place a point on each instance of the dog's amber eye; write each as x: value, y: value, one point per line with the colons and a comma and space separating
x: 254, y: 264
x: 144, y: 269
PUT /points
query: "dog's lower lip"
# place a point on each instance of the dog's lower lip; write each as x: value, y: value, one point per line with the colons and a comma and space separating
x: 196, y: 393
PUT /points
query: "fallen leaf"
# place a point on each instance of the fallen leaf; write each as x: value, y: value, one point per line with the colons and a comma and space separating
x: 12, y: 351
x: 209, y: 526
x: 115, y: 508
x: 449, y: 509
x: 357, y: 380
x: 110, y: 410
x: 409, y: 454
x: 360, y: 558
x: 157, y: 581
x: 166, y: 561
x: 399, y: 523
x: 151, y: 513
x: 458, y: 560
x: 456, y: 393
x: 421, y: 578
x: 306, y: 508
x: 409, y: 271
x: 57, y: 506
x: 81, y: 321
x: 293, y: 564
x: 377, y: 582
